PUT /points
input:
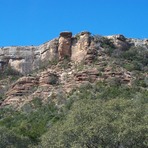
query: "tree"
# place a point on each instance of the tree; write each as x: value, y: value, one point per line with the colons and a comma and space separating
x: 97, y: 123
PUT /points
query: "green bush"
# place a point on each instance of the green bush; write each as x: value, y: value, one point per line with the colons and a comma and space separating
x: 137, y: 58
x: 101, y: 115
x: 30, y: 124
x: 53, y: 79
x: 95, y: 123
x: 1, y: 97
x: 9, y: 71
x: 9, y: 139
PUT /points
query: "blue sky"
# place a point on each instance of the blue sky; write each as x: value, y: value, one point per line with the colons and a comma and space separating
x: 33, y: 22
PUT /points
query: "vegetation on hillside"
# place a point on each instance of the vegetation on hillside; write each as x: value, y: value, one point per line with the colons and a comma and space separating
x: 98, y: 115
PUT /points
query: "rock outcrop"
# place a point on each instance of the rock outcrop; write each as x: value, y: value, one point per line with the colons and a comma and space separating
x: 64, y: 48
x: 19, y: 58
x: 77, y: 48
x: 80, y: 59
x: 120, y: 42
x: 22, y: 86
x: 88, y: 75
x: 49, y: 51
x: 28, y: 58
x: 80, y: 45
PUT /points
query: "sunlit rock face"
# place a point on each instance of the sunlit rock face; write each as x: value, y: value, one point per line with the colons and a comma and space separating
x: 80, y: 47
x: 28, y: 58
x: 19, y: 58
x: 49, y: 50
x: 64, y: 48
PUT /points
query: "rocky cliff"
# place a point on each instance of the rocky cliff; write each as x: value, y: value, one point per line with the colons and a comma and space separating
x: 77, y: 48
x: 58, y: 66
x: 28, y: 58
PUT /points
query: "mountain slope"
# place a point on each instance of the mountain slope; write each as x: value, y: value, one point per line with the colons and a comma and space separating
x: 75, y: 91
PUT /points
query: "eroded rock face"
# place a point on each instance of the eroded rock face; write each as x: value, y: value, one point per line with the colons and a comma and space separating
x: 28, y: 87
x: 91, y: 55
x: 47, y: 78
x: 19, y: 58
x: 64, y: 48
x: 89, y: 75
x: 84, y: 40
x: 28, y: 58
x: 77, y: 48
x: 138, y: 42
x: 20, y: 90
x: 80, y: 45
x: 49, y: 50
x: 146, y: 41
x: 22, y: 86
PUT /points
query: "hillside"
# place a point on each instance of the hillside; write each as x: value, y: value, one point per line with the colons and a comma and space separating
x: 75, y: 91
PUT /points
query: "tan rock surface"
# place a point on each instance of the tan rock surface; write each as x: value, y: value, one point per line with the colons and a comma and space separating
x: 80, y: 46
x: 64, y: 48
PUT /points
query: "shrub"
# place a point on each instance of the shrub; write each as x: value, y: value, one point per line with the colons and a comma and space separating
x: 9, y: 71
x: 53, y: 79
x: 95, y: 123
x: 95, y: 115
x: 30, y: 124
x: 137, y: 58
x: 10, y: 139
x: 1, y: 97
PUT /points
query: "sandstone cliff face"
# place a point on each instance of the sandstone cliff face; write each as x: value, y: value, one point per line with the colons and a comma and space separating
x: 64, y: 48
x: 49, y: 51
x: 28, y: 58
x: 77, y: 48
x: 79, y: 59
x: 80, y: 45
x: 19, y: 58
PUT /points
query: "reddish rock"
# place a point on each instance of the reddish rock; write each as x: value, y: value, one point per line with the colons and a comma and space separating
x: 87, y: 75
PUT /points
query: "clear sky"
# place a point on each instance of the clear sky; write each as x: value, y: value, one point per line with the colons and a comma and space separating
x: 33, y: 22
